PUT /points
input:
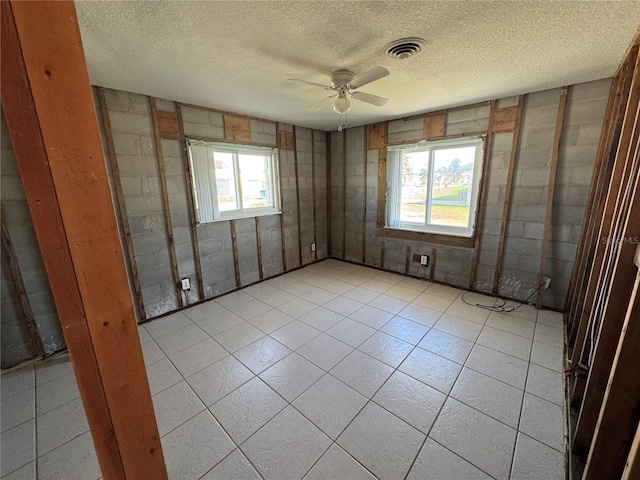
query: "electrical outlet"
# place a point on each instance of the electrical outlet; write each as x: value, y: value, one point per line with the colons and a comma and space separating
x: 313, y: 247
x: 186, y: 284
x: 424, y: 260
x: 547, y: 282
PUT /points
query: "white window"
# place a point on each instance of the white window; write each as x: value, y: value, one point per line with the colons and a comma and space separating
x: 233, y: 181
x: 434, y: 186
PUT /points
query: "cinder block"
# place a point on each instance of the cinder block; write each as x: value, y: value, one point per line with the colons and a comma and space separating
x: 540, y: 138
x: 589, y: 134
x: 478, y: 125
x: 545, y: 98
x: 591, y: 91
x: 533, y: 176
x: 132, y: 123
x: 126, y: 144
x: 529, y: 263
x: 533, y: 230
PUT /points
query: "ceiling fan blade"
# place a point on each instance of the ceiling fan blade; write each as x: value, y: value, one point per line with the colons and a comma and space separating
x: 320, y: 104
x: 368, y: 98
x: 369, y: 76
x: 297, y: 80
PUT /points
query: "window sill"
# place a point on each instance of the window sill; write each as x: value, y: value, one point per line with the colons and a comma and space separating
x: 262, y: 213
x: 438, y: 239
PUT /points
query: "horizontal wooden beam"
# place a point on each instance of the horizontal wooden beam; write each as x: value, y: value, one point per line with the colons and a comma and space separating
x: 462, y: 242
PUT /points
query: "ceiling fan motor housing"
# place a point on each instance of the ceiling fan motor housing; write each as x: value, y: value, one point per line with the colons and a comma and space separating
x: 341, y: 78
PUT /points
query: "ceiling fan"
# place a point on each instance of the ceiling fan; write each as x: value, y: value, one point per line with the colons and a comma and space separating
x: 342, y: 83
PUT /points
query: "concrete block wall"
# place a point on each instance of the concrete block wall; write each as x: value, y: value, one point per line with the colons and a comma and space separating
x: 304, y: 154
x: 320, y: 179
x: 523, y: 242
x: 15, y: 344
x: 355, y: 195
x: 337, y: 195
x: 289, y: 205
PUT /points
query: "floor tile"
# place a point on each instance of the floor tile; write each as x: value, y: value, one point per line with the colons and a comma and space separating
x: 239, y: 336
x: 234, y: 299
x: 386, y: 348
x: 433, y: 302
x: 402, y: 293
x: 287, y: 447
x: 444, y: 291
x: 215, y: 381
x: 18, y: 447
x: 476, y: 299
x: 207, y: 309
x: 60, y: 425
x: 448, y: 346
x: 388, y: 277
x: 382, y: 442
x: 490, y: 396
x: 275, y: 299
x: 405, y: 330
x: 388, y: 303
x: 234, y: 467
x: 325, y: 351
x: 75, y: 459
x: 330, y: 405
x: 246, y: 409
x: 194, y: 358
x: 159, y: 327
x: 468, y: 312
x: 297, y: 307
x: 360, y: 294
x: 547, y: 356
x: 321, y: 318
x: 317, y: 280
x: 523, y: 311
x: 17, y: 381
x: 432, y: 369
x: 543, y: 421
x: 295, y: 334
x: 423, y: 315
x: 343, y: 306
x: 220, y: 322
x: 260, y: 290
x: 355, y: 279
x: 299, y: 288
x: 370, y: 316
x: 271, y: 320
x: 414, y: 284
x: 486, y: 443
x: 545, y: 383
x: 436, y: 462
x: 52, y: 368
x: 152, y: 352
x: 549, y: 335
x: 411, y: 400
x: 181, y: 339
x: 362, y: 373
x: 338, y: 287
x: 251, y: 309
x: 498, y: 365
x: 319, y: 296
x: 376, y: 286
x: 291, y: 376
x: 260, y: 355
x: 28, y: 472
x: 17, y: 409
x: 174, y: 406
x: 511, y: 324
x: 338, y: 464
x: 195, y: 447
x: 162, y: 375
x: 534, y: 460
x: 143, y: 334
x: 552, y: 319
x: 505, y: 342
x: 280, y: 281
x: 460, y: 327
x: 350, y: 332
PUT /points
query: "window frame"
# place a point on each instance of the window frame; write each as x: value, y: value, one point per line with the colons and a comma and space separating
x: 271, y: 153
x: 432, y: 232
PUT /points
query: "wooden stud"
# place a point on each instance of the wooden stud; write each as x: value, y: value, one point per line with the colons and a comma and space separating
x: 51, y: 119
x: 166, y: 207
x: 632, y: 467
x: 382, y: 189
x: 12, y: 259
x: 382, y: 253
x: 234, y: 244
x: 377, y: 135
x: 124, y: 219
x: 313, y: 191
x: 295, y: 166
x: 191, y: 204
x: 504, y: 120
x: 407, y: 261
x: 479, y: 218
x: 432, y: 265
x: 555, y: 153
x: 329, y: 195
x: 259, y: 247
x: 168, y: 126
x: 237, y: 129
x: 507, y: 194
x: 364, y: 199
x: 344, y: 194
x: 434, y: 126
x: 281, y: 138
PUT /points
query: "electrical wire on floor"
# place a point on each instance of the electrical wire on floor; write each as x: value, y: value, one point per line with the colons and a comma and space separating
x: 504, y: 308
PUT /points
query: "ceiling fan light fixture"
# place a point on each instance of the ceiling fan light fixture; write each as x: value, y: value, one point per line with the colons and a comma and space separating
x: 342, y: 103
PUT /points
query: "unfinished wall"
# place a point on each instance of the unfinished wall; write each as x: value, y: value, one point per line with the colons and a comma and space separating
x: 151, y: 170
x: 16, y: 344
x: 526, y: 204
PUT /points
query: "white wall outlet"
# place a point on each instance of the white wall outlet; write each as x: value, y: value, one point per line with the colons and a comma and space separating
x: 547, y: 282
x: 313, y: 247
x: 424, y: 260
x: 186, y: 284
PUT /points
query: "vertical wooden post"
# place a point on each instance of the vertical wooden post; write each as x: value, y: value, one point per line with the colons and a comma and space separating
x: 550, y: 190
x: 259, y: 248
x: 52, y: 122
x: 234, y: 244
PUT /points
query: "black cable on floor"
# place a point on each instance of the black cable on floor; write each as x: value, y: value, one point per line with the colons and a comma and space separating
x: 504, y: 308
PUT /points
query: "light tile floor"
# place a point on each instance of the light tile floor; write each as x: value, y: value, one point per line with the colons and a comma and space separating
x: 332, y: 371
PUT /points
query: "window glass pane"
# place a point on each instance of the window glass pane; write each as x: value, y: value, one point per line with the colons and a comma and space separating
x: 451, y: 186
x: 415, y: 181
x: 254, y: 179
x: 225, y: 181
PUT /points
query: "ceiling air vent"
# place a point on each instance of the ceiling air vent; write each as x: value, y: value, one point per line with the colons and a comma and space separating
x: 404, y: 48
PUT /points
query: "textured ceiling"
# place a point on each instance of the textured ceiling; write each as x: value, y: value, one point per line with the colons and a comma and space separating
x: 237, y: 55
